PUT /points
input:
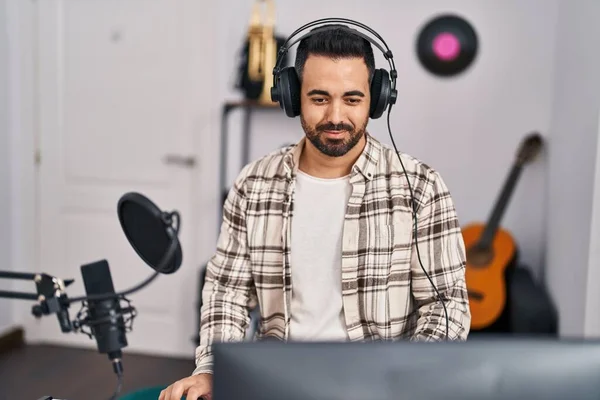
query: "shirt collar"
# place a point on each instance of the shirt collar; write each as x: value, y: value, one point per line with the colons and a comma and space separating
x: 365, y: 164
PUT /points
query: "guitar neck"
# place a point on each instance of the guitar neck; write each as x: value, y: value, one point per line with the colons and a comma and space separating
x: 501, y: 204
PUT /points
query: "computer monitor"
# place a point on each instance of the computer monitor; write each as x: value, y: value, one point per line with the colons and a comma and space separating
x: 479, y: 369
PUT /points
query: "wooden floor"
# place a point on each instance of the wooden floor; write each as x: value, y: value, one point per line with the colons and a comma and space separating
x: 32, y: 371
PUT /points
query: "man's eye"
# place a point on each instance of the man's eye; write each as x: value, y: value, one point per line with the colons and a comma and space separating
x: 318, y: 100
x: 353, y: 101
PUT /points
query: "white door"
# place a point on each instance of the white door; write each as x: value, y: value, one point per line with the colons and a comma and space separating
x: 118, y: 94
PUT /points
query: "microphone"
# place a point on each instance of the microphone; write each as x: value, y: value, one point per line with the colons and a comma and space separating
x: 106, y: 318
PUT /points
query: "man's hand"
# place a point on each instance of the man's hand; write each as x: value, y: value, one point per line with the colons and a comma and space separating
x: 192, y: 387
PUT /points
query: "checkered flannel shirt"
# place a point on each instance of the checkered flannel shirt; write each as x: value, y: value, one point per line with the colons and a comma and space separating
x: 386, y: 295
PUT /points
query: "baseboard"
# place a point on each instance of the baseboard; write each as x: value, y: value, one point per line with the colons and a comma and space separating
x: 12, y: 339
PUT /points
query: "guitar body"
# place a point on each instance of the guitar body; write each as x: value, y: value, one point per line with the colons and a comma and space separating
x: 485, y: 274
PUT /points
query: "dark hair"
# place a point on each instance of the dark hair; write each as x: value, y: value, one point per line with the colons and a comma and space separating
x: 336, y: 43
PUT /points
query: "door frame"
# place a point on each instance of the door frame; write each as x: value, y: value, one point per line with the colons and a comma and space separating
x: 24, y: 135
x: 592, y: 299
x: 23, y: 138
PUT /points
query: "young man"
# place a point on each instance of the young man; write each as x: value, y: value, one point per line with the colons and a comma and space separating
x: 320, y: 234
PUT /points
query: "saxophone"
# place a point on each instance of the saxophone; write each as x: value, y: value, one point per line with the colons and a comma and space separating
x: 262, y: 48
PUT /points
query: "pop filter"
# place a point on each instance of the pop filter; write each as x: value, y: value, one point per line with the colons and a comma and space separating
x: 150, y: 232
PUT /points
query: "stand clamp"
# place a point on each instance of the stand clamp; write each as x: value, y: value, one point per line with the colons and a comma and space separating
x: 51, y: 296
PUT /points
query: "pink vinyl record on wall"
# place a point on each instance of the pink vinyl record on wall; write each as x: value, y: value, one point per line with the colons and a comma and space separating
x: 447, y: 45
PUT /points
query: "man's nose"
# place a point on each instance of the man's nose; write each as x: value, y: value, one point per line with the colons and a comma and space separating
x: 335, y: 113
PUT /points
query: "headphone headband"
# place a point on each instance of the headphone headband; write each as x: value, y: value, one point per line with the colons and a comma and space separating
x: 332, y: 27
x: 387, y: 53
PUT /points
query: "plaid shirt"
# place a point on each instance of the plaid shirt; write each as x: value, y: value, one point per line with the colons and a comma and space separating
x: 385, y: 294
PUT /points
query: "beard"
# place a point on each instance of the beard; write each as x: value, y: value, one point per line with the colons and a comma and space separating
x: 333, y: 147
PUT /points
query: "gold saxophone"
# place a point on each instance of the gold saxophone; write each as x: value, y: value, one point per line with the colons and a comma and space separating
x: 262, y: 48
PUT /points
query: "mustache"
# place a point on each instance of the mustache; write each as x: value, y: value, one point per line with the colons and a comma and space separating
x: 335, y: 127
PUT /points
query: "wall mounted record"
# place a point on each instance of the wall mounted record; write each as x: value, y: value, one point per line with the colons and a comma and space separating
x: 447, y: 45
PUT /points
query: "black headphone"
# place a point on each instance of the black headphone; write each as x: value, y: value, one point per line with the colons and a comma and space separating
x: 286, y: 84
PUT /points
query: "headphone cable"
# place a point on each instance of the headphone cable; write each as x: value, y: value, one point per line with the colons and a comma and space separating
x: 414, y: 213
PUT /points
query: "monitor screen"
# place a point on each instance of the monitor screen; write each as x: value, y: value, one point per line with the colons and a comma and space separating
x: 477, y: 369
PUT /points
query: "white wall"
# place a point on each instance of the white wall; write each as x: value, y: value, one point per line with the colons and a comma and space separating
x: 571, y: 161
x: 6, y: 315
x: 468, y: 127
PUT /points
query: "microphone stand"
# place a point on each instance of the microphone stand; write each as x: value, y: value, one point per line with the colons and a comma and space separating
x: 51, y: 296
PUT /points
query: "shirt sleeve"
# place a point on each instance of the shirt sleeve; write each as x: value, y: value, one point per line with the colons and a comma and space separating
x: 228, y: 293
x: 442, y: 253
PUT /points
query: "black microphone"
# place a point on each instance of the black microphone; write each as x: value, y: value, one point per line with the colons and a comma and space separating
x: 105, y: 318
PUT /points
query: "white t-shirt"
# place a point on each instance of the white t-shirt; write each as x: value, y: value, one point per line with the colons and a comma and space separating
x: 316, y: 257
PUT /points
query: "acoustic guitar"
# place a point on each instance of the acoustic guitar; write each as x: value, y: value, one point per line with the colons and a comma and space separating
x: 491, y: 250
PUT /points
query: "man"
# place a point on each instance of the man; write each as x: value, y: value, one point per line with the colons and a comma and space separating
x: 320, y: 234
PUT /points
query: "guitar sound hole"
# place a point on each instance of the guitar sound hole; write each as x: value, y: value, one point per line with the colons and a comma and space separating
x: 473, y: 295
x: 479, y: 256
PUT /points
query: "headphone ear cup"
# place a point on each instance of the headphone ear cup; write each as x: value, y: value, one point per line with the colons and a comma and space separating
x: 380, y: 93
x: 289, y: 92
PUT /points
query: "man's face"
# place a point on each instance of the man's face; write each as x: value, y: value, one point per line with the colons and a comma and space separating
x: 335, y: 102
